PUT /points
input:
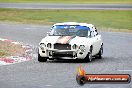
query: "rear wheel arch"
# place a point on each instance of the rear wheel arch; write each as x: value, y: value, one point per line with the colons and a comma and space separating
x: 99, y: 55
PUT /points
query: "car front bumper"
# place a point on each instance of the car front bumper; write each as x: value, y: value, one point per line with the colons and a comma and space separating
x: 52, y: 53
x: 55, y: 53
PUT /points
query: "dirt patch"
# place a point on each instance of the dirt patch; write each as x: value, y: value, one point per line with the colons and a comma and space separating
x: 10, y: 49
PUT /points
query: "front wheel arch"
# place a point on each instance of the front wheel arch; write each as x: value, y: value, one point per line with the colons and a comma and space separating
x: 88, y: 57
x: 91, y: 48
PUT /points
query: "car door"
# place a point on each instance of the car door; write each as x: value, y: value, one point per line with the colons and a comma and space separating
x: 97, y: 43
x: 93, y: 42
x: 97, y: 40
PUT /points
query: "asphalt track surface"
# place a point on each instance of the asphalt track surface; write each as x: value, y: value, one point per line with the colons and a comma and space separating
x: 117, y: 59
x: 67, y: 6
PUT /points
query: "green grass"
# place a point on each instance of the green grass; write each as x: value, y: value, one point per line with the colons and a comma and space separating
x: 115, y: 19
x: 73, y: 1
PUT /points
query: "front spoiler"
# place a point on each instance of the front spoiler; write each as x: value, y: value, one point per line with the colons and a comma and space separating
x: 54, y: 53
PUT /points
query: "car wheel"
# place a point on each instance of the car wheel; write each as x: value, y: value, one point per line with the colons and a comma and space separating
x: 41, y: 59
x: 100, y: 52
x: 88, y: 58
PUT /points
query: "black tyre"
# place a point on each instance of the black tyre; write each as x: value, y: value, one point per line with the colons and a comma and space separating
x: 88, y: 58
x: 41, y: 59
x: 99, y: 55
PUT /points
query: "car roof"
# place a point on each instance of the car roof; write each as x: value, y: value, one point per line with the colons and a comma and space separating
x: 75, y: 23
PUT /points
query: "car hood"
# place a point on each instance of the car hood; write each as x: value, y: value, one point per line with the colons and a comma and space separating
x: 64, y: 40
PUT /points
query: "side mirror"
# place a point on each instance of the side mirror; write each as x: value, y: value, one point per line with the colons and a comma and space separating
x: 90, y: 34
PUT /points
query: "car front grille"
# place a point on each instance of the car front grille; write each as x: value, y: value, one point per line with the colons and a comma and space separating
x: 62, y: 46
x: 63, y: 54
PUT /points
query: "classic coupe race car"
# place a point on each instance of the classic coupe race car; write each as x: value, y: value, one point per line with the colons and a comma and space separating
x: 71, y: 40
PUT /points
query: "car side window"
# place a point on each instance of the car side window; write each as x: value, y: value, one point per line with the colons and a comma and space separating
x: 91, y: 33
x: 95, y: 31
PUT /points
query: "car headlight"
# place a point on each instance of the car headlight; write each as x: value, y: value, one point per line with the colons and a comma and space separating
x: 42, y: 45
x: 82, y: 48
x: 74, y: 46
x: 49, y: 45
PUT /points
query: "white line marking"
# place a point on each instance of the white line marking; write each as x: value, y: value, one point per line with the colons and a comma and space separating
x: 124, y: 70
x: 48, y: 85
x: 27, y: 28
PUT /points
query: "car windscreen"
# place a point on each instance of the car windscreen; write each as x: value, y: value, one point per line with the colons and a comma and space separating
x: 70, y: 30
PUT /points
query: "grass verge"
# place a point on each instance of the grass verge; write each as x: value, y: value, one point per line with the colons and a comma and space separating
x: 73, y: 1
x: 112, y: 19
x: 8, y: 49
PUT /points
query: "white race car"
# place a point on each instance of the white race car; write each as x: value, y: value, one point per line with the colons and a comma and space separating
x: 71, y: 40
